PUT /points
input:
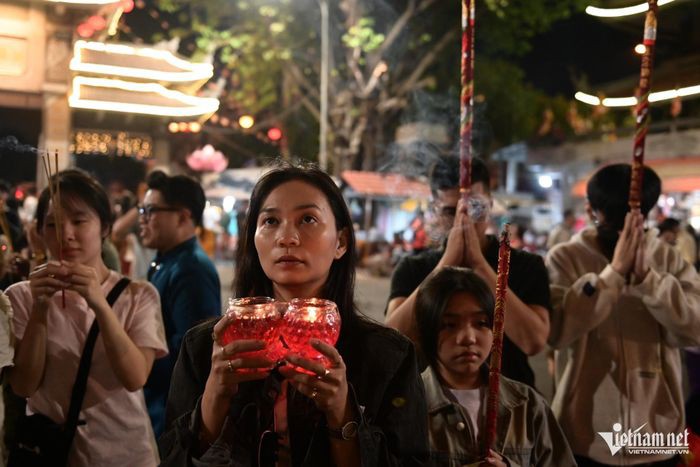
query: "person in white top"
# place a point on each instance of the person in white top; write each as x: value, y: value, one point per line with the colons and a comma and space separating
x: 51, y: 333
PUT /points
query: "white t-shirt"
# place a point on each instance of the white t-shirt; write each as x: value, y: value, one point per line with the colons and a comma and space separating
x: 118, y: 430
x: 470, y: 399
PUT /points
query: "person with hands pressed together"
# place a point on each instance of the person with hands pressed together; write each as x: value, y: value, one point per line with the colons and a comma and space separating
x: 50, y: 337
x: 467, y: 245
x: 624, y: 302
x: 228, y: 409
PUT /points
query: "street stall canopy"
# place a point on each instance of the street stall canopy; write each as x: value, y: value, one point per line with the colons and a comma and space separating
x: 678, y: 175
x: 376, y: 184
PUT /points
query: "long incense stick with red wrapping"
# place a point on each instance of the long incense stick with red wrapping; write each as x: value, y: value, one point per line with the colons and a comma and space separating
x: 497, y: 349
x: 642, y: 110
x: 466, y: 119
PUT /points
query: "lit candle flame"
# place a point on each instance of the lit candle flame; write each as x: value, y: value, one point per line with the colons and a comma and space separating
x: 311, y: 314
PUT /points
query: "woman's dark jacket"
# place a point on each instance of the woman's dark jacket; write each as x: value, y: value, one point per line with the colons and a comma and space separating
x: 384, y: 383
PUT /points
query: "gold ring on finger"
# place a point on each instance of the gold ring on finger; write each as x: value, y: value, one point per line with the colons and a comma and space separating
x: 326, y: 372
x: 314, y: 393
x: 230, y: 366
x: 52, y: 276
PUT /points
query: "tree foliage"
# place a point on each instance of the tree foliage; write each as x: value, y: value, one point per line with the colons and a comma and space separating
x: 383, y: 53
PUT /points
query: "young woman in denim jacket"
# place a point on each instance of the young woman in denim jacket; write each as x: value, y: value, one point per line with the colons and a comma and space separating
x: 367, y: 409
x: 454, y: 312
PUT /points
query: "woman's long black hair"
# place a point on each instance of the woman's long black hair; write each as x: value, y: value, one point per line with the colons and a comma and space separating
x: 249, y: 277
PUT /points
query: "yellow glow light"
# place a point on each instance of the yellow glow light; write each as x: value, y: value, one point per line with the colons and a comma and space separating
x: 173, y: 127
x: 191, y: 105
x: 246, y: 121
x: 631, y: 101
x: 625, y: 11
x: 640, y: 49
x: 195, y: 127
x: 190, y: 71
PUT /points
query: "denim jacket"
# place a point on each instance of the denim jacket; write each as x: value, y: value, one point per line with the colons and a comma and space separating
x: 527, y: 432
x: 384, y: 387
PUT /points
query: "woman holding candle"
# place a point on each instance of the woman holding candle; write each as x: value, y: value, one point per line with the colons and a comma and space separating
x: 50, y: 337
x: 367, y: 407
x: 454, y: 311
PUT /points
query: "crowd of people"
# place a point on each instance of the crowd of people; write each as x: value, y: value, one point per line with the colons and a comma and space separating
x: 129, y: 368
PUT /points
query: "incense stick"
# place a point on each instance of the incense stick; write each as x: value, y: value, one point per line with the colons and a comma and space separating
x: 642, y: 110
x: 56, y: 201
x: 497, y: 349
x: 466, y: 98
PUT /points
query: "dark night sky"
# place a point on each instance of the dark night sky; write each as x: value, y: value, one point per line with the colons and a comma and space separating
x: 601, y: 49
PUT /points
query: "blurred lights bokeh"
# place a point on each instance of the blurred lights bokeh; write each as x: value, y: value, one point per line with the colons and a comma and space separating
x: 246, y: 121
x: 545, y: 181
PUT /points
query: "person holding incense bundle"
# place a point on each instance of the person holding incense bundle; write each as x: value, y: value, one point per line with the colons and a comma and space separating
x: 455, y: 313
x: 113, y: 428
x: 367, y: 408
x: 468, y: 245
x: 624, y: 302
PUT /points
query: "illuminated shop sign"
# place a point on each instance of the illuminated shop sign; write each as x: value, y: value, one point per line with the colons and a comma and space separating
x: 94, y: 142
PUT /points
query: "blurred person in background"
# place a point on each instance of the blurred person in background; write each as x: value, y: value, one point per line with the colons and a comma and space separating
x: 562, y: 232
x: 668, y: 230
x: 189, y: 287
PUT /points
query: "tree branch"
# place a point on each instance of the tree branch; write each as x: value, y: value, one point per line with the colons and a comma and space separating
x: 296, y: 74
x: 425, y: 62
x: 396, y: 29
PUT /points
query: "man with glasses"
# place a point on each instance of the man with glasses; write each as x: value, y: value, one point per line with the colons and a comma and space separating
x: 183, y: 274
x: 467, y: 245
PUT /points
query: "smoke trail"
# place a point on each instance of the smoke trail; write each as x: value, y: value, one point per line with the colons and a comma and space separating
x: 12, y: 144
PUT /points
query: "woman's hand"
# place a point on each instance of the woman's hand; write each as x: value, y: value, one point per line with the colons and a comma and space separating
x: 45, y: 280
x: 494, y: 459
x: 229, y: 367
x: 86, y: 281
x: 327, y: 387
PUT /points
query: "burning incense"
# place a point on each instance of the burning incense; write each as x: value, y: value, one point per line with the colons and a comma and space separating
x: 497, y: 349
x: 55, y: 195
x: 466, y: 98
x: 642, y: 110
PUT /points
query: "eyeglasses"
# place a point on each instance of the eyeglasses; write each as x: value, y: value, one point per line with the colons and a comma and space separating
x: 147, y: 211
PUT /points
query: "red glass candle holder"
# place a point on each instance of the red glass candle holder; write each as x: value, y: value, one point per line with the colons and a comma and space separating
x: 310, y: 318
x: 255, y: 318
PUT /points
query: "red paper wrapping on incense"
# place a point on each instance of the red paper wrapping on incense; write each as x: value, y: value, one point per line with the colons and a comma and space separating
x: 497, y: 348
x: 466, y: 120
x: 642, y: 110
